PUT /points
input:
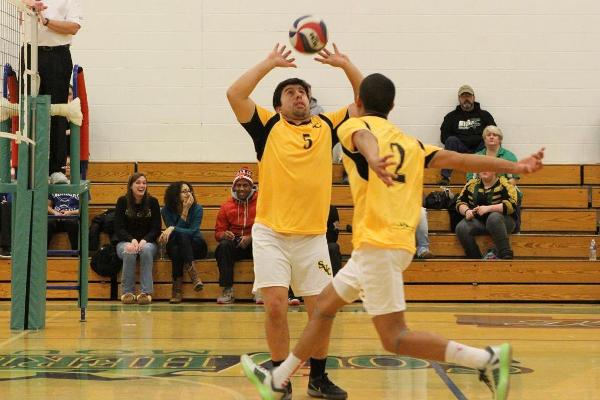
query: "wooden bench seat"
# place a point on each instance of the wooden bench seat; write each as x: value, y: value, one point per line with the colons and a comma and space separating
x: 532, y: 220
x: 223, y: 172
x: 596, y: 197
x: 110, y: 171
x: 591, y: 174
x: 431, y: 280
x: 201, y: 172
x: 447, y: 244
x: 216, y: 194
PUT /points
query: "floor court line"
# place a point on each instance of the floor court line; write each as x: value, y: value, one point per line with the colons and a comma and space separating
x: 446, y: 379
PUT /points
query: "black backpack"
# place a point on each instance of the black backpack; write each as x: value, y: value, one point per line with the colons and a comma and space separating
x: 101, y: 223
x: 439, y: 200
x: 105, y: 261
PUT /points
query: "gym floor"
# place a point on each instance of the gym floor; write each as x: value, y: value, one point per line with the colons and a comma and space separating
x: 191, y: 351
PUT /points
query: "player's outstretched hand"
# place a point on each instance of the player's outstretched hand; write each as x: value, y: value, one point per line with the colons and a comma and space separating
x: 532, y: 163
x: 379, y: 166
x: 35, y: 5
x: 281, y: 57
x: 335, y: 59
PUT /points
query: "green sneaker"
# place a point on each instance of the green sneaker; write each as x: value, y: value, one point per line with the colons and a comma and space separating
x: 496, y: 374
x: 262, y: 379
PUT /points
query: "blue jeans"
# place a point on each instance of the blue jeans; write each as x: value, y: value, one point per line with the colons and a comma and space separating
x: 422, y: 233
x: 146, y: 263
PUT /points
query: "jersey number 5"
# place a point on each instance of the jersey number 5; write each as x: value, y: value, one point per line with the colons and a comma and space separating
x: 396, y: 147
x: 307, y: 140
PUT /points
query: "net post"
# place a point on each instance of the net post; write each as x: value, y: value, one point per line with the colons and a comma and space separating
x: 5, y: 153
x: 83, y: 251
x: 29, y: 272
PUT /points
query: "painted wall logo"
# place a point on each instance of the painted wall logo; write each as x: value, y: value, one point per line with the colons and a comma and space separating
x: 109, y: 365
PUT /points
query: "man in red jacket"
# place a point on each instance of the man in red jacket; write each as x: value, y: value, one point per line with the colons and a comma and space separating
x: 233, y: 230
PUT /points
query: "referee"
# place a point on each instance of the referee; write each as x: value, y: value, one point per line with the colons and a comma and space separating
x: 58, y: 21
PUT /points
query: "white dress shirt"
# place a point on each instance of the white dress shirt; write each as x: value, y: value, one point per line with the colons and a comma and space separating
x: 58, y: 10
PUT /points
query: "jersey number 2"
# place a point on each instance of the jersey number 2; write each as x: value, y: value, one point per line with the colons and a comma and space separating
x: 399, y: 177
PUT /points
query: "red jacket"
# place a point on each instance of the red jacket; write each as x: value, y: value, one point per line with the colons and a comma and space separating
x: 236, y: 216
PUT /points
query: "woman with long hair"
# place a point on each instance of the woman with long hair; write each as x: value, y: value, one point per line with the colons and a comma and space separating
x: 137, y: 226
x: 183, y: 240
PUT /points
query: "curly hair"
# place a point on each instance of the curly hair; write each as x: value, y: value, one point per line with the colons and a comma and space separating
x: 172, y: 199
x: 282, y: 85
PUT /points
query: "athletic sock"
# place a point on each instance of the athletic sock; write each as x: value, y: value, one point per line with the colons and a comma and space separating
x: 317, y: 367
x: 467, y: 356
x: 282, y: 374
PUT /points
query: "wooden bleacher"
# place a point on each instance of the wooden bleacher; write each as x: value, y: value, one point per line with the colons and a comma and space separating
x: 560, y: 216
x: 443, y: 280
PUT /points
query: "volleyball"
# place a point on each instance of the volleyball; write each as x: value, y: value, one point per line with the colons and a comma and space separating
x: 308, y: 34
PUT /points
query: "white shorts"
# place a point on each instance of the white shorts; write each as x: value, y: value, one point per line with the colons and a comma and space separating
x: 299, y: 261
x: 375, y: 276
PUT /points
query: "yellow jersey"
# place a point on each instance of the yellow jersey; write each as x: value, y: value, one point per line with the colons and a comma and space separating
x: 385, y: 216
x: 294, y: 170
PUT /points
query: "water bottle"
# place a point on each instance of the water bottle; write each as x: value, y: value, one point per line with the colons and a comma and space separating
x: 593, y: 250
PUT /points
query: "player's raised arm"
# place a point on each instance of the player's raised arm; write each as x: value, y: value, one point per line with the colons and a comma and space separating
x: 340, y: 60
x: 239, y: 92
x: 366, y: 143
x: 471, y: 162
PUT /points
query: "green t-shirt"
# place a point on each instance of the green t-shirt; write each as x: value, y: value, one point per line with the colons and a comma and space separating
x: 502, y: 153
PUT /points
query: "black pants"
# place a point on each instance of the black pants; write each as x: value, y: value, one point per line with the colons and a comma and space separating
x: 183, y: 250
x: 227, y: 253
x: 69, y: 226
x: 499, y: 227
x: 55, y: 67
x: 5, y: 223
x: 335, y: 256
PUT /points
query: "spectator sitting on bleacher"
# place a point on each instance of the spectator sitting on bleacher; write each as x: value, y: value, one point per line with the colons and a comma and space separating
x: 422, y: 237
x: 488, y: 204
x: 5, y: 221
x: 233, y: 230
x: 137, y: 226
x: 183, y: 239
x: 63, y: 205
x: 462, y: 127
x: 492, y: 140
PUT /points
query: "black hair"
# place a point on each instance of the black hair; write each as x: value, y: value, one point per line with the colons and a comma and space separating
x: 172, y: 199
x: 377, y: 94
x: 288, y: 82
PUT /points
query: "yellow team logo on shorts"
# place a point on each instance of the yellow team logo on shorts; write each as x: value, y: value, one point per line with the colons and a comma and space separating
x: 324, y: 267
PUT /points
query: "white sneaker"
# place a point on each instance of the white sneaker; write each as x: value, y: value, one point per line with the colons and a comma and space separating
x: 496, y: 374
x: 226, y: 297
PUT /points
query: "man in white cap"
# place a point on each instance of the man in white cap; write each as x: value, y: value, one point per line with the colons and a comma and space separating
x: 462, y: 128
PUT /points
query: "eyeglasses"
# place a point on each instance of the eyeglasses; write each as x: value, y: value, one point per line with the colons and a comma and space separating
x: 186, y: 191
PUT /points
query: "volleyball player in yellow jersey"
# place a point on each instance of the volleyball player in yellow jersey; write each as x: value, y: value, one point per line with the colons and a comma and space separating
x: 295, y: 167
x: 385, y: 170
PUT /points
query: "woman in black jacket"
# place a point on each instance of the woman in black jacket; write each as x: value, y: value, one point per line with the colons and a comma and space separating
x: 137, y: 226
